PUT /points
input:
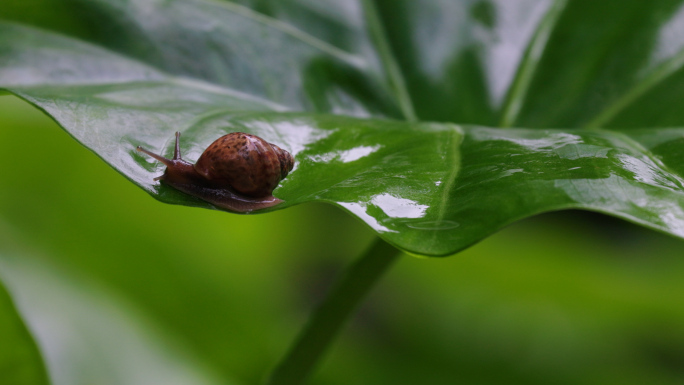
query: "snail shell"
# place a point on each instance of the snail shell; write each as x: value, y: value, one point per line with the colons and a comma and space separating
x: 237, y: 172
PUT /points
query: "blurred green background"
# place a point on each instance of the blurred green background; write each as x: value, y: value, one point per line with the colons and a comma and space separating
x: 564, y: 298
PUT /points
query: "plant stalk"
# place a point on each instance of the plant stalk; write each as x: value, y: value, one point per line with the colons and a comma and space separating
x: 330, y: 316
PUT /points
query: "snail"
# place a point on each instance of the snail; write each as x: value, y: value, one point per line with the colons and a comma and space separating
x: 237, y: 172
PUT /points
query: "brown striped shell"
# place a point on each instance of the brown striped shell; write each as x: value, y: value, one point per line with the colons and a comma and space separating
x: 237, y: 172
x: 246, y: 163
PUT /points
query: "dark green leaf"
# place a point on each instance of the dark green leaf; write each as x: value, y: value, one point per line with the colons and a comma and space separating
x: 20, y: 361
x: 339, y: 84
x: 87, y: 334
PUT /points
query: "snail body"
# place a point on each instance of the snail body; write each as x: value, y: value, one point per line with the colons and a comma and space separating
x: 237, y: 172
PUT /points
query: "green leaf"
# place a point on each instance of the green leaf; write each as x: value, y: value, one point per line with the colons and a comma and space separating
x: 593, y: 288
x: 88, y: 335
x: 20, y: 361
x: 353, y: 90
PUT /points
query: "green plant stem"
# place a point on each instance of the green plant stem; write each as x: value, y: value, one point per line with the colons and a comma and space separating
x: 327, y: 320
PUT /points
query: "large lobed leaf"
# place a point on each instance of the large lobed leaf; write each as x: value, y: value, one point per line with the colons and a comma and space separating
x: 348, y: 87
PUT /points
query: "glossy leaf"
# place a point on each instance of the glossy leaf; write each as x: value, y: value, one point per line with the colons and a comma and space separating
x: 349, y: 87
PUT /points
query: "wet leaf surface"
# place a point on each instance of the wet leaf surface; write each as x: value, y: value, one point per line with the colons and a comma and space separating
x: 395, y: 111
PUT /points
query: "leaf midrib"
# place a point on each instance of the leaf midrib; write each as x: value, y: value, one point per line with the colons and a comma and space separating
x: 393, y: 73
x: 652, y: 79
x: 289, y: 29
x: 529, y: 64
